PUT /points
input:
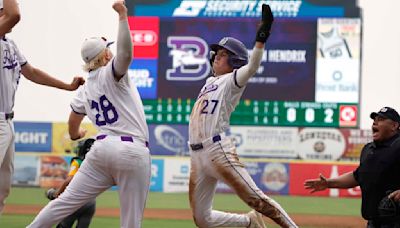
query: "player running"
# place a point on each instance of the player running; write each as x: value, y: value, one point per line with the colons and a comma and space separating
x: 120, y: 155
x: 213, y: 154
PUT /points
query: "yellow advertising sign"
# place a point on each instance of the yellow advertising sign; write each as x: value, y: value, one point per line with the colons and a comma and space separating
x: 62, y: 144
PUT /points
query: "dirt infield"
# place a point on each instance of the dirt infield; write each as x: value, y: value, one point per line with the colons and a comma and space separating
x: 184, y: 214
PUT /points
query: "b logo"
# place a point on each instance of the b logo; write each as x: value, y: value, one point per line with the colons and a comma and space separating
x: 189, y: 59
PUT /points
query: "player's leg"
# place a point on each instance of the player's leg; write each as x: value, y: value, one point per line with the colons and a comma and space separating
x: 132, y: 173
x: 91, y: 180
x: 85, y: 214
x: 68, y: 221
x: 7, y: 149
x: 233, y: 173
x: 202, y: 188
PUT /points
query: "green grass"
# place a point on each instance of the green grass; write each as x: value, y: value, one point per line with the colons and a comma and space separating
x: 228, y: 202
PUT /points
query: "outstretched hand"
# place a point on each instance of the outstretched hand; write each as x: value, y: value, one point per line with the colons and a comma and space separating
x: 265, y: 24
x: 315, y: 185
x: 76, y: 82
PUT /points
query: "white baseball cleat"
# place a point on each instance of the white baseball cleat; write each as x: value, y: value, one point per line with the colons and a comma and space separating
x: 256, y: 220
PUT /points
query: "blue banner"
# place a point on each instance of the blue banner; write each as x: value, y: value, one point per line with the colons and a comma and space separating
x: 288, y: 63
x: 169, y: 140
x: 26, y: 170
x: 33, y: 137
x: 252, y: 8
x: 143, y: 73
x: 157, y: 175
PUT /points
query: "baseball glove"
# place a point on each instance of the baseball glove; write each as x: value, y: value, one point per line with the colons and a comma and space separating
x: 51, y: 193
x: 388, y: 208
x: 265, y: 25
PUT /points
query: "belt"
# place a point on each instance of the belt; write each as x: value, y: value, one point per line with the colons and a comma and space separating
x: 9, y: 115
x: 123, y: 139
x: 200, y: 146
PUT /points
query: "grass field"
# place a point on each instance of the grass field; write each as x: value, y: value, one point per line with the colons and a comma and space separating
x: 293, y: 205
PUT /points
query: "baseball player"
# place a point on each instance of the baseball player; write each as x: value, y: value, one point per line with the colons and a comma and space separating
x: 12, y: 64
x: 213, y: 154
x: 120, y: 155
x: 83, y: 215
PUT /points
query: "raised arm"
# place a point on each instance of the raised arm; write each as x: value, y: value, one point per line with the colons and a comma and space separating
x: 123, y: 57
x: 10, y: 16
x: 249, y: 70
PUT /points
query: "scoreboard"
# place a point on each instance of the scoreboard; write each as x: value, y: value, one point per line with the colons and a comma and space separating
x: 309, y: 74
x: 264, y: 113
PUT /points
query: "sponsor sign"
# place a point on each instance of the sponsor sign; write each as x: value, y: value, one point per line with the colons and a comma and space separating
x: 348, y: 115
x: 169, y: 140
x: 53, y: 171
x: 355, y: 141
x: 26, y: 171
x: 176, y: 175
x: 145, y: 36
x: 157, y: 175
x: 32, y: 137
x: 240, y: 8
x: 338, y: 60
x: 143, y: 73
x: 290, y: 58
x: 62, y: 144
x: 300, y: 172
x: 321, y: 144
x: 276, y: 142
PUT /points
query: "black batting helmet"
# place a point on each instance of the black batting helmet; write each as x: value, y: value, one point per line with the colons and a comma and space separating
x: 238, y: 52
x: 83, y: 147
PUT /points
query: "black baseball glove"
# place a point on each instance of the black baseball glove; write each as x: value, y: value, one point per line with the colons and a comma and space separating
x: 265, y: 25
x: 388, y: 208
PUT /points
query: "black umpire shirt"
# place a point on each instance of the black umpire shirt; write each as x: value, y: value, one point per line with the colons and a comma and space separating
x: 378, y: 172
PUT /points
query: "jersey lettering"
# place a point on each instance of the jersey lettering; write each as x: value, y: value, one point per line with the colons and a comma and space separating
x: 106, y: 112
x: 212, y: 103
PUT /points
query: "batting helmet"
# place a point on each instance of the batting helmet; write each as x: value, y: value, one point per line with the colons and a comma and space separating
x: 238, y: 52
x: 83, y: 147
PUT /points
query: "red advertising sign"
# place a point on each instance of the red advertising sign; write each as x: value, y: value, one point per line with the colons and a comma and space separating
x: 348, y: 116
x: 300, y: 172
x: 145, y: 36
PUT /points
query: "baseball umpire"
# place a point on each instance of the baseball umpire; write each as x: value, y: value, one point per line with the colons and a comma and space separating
x: 83, y: 215
x: 377, y: 175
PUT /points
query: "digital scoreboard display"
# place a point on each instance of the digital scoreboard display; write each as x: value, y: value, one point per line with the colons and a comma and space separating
x: 309, y: 74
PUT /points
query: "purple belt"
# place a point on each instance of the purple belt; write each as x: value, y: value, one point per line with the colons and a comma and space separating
x: 123, y: 139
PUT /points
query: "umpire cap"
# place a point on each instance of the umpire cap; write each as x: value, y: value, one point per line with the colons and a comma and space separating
x: 387, y: 113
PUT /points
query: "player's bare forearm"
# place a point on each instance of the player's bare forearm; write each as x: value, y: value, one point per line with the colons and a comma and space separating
x: 63, y: 186
x: 346, y: 180
x: 11, y: 16
x: 40, y: 77
x: 74, y: 123
x: 260, y: 45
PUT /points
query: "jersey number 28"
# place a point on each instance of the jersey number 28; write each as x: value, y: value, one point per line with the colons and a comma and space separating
x: 106, y: 112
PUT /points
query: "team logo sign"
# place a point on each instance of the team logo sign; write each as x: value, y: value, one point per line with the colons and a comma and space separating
x: 189, y: 59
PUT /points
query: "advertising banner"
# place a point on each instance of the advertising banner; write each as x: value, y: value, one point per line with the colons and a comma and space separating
x: 176, y: 175
x: 26, y: 170
x: 355, y: 141
x: 157, y: 175
x: 53, y: 171
x: 338, y: 60
x: 272, y: 142
x: 32, y: 137
x: 241, y: 8
x: 287, y: 65
x: 169, y: 140
x: 62, y: 144
x: 143, y: 73
x: 299, y: 172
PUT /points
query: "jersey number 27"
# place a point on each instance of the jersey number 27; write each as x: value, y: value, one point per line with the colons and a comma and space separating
x: 106, y: 112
